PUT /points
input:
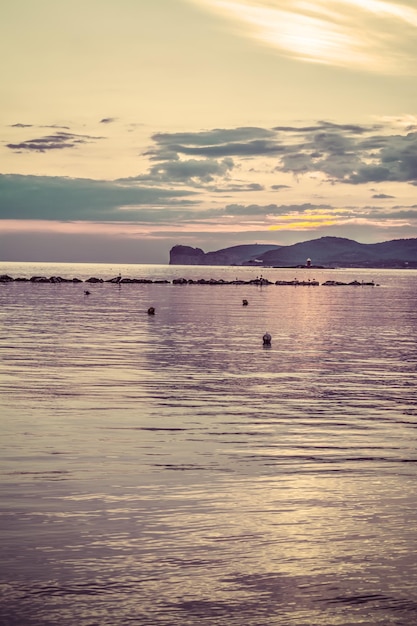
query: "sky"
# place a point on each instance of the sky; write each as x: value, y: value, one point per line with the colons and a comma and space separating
x: 130, y: 126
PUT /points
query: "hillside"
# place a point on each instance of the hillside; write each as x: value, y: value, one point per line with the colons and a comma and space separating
x: 236, y: 255
x: 326, y: 251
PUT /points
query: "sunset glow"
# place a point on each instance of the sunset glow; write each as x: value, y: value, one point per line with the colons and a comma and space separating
x: 176, y: 120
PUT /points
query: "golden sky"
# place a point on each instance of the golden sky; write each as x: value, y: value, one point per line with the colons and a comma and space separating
x: 204, y: 122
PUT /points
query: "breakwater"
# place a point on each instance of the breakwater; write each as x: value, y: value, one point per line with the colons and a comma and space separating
x: 118, y: 280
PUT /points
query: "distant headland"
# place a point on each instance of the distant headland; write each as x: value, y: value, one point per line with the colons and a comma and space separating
x: 326, y: 252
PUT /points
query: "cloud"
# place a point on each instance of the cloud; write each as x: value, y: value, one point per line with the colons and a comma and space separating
x: 203, y: 171
x: 185, y: 192
x: 65, y: 199
x: 216, y: 136
x: 238, y: 188
x: 400, y: 214
x: 347, y: 159
x: 242, y: 141
x: 274, y: 209
x: 58, y: 141
x: 324, y: 125
x: 257, y: 147
x: 400, y: 155
x: 54, y: 126
x: 332, y: 151
x: 370, y: 173
x: 348, y: 153
x: 194, y: 172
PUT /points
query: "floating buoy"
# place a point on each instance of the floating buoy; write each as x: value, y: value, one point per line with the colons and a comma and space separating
x: 267, y: 339
x: 151, y: 310
x: 245, y: 302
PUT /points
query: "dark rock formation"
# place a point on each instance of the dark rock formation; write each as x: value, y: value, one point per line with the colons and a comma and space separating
x: 298, y: 283
x: 260, y: 281
x: 353, y: 283
x: 94, y: 280
x: 186, y: 255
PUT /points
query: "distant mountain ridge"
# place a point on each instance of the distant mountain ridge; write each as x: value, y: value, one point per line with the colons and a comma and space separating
x: 236, y: 255
x: 325, y: 251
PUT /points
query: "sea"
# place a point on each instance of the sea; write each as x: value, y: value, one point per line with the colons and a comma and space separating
x: 171, y: 470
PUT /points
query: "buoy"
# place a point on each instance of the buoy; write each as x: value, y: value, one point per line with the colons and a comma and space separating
x: 245, y: 302
x: 151, y: 310
x: 267, y: 339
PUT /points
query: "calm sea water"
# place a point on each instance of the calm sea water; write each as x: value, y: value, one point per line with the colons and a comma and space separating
x: 169, y: 470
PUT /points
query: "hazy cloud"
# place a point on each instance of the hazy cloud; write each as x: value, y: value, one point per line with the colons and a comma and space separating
x: 273, y: 209
x: 377, y: 36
